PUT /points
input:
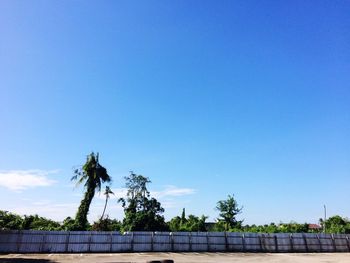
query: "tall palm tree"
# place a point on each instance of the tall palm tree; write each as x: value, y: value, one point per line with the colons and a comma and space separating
x: 107, y: 193
x: 92, y: 174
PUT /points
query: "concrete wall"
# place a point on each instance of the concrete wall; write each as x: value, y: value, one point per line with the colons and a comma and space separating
x: 92, y: 241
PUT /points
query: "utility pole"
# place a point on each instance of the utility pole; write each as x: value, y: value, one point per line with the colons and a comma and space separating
x: 325, y: 217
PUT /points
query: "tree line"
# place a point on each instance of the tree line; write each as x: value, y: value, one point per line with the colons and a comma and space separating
x: 142, y: 212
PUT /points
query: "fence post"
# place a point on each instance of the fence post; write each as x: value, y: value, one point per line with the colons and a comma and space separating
x: 152, y: 240
x: 67, y: 241
x: 190, y: 240
x: 319, y: 242
x: 172, y: 241
x: 111, y: 241
x: 19, y: 240
x: 243, y: 242
x: 89, y: 242
x: 43, y: 242
x: 276, y: 243
x: 208, y: 245
x: 226, y: 242
x: 305, y: 241
x: 260, y: 242
x: 347, y: 243
x: 291, y: 242
x: 333, y: 242
x: 132, y: 242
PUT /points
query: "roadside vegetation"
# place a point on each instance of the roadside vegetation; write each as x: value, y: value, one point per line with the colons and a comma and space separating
x: 142, y: 212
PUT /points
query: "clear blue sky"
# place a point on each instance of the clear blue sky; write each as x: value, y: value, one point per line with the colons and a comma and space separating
x: 207, y: 98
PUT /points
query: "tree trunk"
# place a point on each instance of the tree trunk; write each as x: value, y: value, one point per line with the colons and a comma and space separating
x: 104, y: 209
x: 83, y: 210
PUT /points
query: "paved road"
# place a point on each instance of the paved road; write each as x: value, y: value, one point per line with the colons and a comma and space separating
x: 179, y: 257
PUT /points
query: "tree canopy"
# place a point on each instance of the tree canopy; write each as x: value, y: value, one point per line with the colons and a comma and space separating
x: 92, y: 174
x: 142, y: 212
x: 229, y: 209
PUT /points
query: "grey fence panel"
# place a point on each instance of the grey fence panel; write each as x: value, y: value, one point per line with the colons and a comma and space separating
x: 181, y: 241
x: 199, y: 241
x: 55, y: 242
x: 217, y: 241
x: 79, y: 241
x: 121, y: 242
x: 251, y: 242
x: 299, y: 242
x: 100, y: 242
x: 284, y: 242
x: 326, y: 243
x: 31, y: 242
x: 235, y: 242
x: 267, y: 243
x: 84, y: 241
x: 9, y: 241
x: 341, y: 243
x: 162, y: 241
x: 142, y: 241
x: 313, y: 243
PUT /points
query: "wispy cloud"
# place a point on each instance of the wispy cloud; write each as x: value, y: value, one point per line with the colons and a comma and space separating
x: 18, y: 180
x: 173, y: 191
x: 169, y: 191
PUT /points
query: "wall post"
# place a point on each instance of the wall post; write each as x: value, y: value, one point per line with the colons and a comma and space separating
x: 152, y: 240
x: 172, y: 241
x: 306, y: 245
x: 291, y: 242
x: 67, y: 241
x: 243, y: 242
x: 348, y: 243
x: 110, y: 241
x: 276, y: 243
x: 333, y: 243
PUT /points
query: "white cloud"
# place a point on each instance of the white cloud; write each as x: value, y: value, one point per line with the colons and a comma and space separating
x: 173, y: 191
x: 17, y: 180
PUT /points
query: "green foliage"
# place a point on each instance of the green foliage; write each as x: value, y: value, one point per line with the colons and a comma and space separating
x: 92, y: 174
x: 291, y: 227
x: 10, y: 221
x: 294, y: 228
x: 228, y: 210
x: 337, y: 225
x: 36, y: 222
x: 190, y: 224
x: 107, y: 224
x: 68, y: 224
x: 142, y: 213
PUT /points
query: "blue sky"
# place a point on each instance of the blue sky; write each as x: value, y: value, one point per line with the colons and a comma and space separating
x: 207, y: 98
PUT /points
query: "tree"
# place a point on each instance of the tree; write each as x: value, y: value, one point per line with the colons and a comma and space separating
x: 142, y: 212
x: 92, y: 174
x: 337, y: 225
x: 36, y: 222
x: 192, y: 223
x: 10, y: 221
x: 107, y: 192
x: 106, y: 224
x: 228, y: 210
x: 183, y: 216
